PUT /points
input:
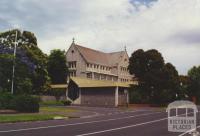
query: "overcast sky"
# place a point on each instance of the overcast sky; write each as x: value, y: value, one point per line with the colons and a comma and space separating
x: 170, y: 26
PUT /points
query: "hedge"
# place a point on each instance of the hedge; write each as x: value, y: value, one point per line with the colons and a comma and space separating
x: 20, y: 103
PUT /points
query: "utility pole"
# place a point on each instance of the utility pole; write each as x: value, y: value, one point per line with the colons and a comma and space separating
x: 13, y: 72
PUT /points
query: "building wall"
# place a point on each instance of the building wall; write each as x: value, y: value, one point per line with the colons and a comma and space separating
x: 119, y: 72
x: 123, y: 73
x: 74, y: 55
x: 98, y: 96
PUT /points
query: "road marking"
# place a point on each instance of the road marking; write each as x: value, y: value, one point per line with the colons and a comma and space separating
x: 114, y: 113
x: 119, y: 128
x: 64, y: 125
x: 129, y: 126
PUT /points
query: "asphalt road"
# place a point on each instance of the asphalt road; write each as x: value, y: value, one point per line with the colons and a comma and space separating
x: 107, y: 122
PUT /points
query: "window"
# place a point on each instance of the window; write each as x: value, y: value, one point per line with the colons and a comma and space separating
x: 89, y: 75
x: 72, y: 74
x: 96, y: 76
x: 107, y: 68
x: 72, y: 64
x: 103, y: 77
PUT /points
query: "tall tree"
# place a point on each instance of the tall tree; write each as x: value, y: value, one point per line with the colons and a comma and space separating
x: 185, y: 82
x: 157, y: 79
x: 28, y: 53
x: 57, y: 67
x: 194, y: 88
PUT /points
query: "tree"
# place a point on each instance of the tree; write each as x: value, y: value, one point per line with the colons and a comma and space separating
x: 157, y: 80
x: 184, y: 86
x: 29, y: 55
x: 194, y: 87
x: 57, y: 67
x: 23, y: 71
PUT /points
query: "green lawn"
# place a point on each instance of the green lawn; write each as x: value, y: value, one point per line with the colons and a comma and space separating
x: 25, y: 117
x: 46, y: 113
x: 56, y: 109
x: 51, y: 103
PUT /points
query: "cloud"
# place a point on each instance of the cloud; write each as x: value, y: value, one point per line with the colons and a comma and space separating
x: 169, y: 26
x: 187, y: 37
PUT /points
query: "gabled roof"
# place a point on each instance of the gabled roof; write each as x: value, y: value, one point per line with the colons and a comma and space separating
x: 98, y: 57
x: 86, y: 83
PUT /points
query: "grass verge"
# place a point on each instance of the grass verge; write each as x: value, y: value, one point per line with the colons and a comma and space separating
x: 51, y: 103
x: 25, y: 117
x: 46, y: 113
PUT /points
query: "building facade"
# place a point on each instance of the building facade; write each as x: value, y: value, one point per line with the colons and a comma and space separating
x: 98, y: 78
x: 88, y: 63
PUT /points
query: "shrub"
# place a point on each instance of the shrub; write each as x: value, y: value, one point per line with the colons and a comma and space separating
x: 66, y: 102
x: 138, y: 95
x: 25, y: 103
x: 5, y: 100
x: 56, y: 92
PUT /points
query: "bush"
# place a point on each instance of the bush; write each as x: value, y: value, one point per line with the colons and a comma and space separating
x: 66, y: 102
x: 25, y: 103
x: 5, y: 100
x: 56, y: 92
x: 21, y: 103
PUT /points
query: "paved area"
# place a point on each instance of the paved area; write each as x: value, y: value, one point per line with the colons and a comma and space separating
x: 104, y: 122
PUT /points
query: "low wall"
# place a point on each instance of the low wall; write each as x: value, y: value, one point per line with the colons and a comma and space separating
x: 45, y: 98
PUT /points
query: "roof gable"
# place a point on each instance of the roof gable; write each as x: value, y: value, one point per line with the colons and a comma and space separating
x: 98, y: 57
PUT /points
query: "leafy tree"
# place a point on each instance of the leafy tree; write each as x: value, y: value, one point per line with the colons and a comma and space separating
x: 194, y: 87
x: 184, y: 86
x: 57, y: 67
x: 23, y: 71
x: 158, y: 81
x: 29, y: 55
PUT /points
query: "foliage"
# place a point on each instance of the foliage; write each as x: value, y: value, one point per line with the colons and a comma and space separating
x: 137, y: 95
x: 194, y: 87
x: 56, y: 92
x: 21, y: 103
x: 56, y: 66
x: 5, y: 100
x: 66, y: 102
x: 31, y: 73
x: 184, y: 86
x: 26, y: 103
x: 158, y: 81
